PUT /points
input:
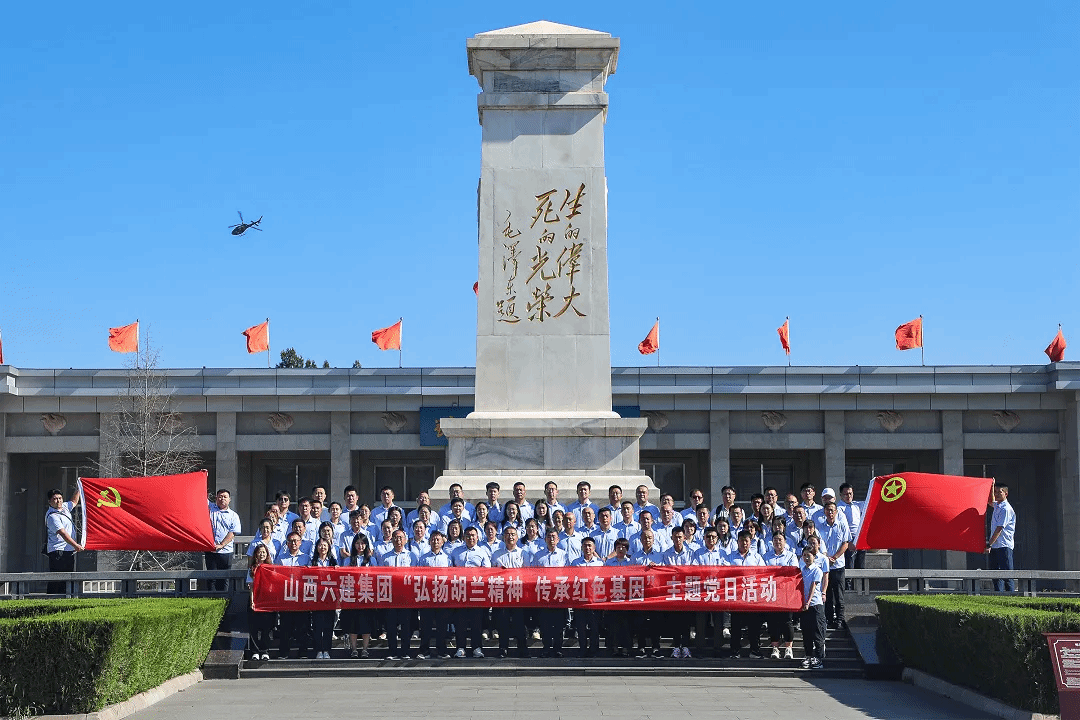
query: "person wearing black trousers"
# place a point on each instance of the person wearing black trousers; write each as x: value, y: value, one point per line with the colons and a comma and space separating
x: 60, y: 543
x: 259, y: 623
x: 812, y: 613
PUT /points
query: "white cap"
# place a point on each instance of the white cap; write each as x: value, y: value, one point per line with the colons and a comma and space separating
x: 828, y: 492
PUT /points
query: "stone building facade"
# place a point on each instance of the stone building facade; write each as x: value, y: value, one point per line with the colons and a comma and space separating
x: 260, y: 431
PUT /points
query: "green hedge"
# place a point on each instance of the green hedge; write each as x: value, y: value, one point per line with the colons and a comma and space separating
x: 77, y: 656
x: 991, y: 644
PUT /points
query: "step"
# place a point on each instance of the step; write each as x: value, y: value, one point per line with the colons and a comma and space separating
x: 567, y: 666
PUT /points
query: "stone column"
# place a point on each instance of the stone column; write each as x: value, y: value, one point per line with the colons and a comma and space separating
x: 225, y: 454
x: 835, y: 449
x: 340, y: 453
x: 108, y: 452
x: 542, y: 344
x: 719, y: 454
x: 5, y: 491
x: 952, y: 463
x: 543, y: 357
x: 1068, y: 500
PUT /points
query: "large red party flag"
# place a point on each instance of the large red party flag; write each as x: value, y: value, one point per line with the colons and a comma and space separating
x: 167, y: 512
x: 389, y: 338
x: 909, y: 335
x: 124, y: 339
x: 651, y: 343
x: 785, y: 338
x: 1055, y: 350
x: 921, y: 511
x: 258, y: 337
x: 476, y: 288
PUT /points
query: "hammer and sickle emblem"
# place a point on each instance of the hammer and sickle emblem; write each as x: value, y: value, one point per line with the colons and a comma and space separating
x: 893, y: 489
x: 105, y: 500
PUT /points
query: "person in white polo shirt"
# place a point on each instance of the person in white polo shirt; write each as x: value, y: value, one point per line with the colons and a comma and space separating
x: 60, y: 542
x: 587, y: 622
x: 852, y: 512
x: 510, y: 621
x: 226, y: 524
x: 678, y: 621
x: 812, y: 613
x: 1002, y: 534
x: 551, y: 620
x: 470, y: 619
x: 835, y: 538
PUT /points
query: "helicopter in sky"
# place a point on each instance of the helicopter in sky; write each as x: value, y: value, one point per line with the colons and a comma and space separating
x: 242, y: 227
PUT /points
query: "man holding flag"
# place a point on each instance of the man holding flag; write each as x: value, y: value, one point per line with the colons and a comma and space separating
x: 60, y: 540
x: 226, y: 524
x: 1000, y: 546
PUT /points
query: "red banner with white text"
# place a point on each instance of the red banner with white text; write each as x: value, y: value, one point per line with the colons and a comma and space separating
x: 700, y: 588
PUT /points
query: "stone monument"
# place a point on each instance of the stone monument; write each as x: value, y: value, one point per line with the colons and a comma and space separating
x: 543, y: 357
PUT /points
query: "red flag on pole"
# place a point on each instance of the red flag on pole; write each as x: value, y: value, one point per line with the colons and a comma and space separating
x: 476, y: 288
x: 167, y: 512
x: 389, y: 338
x: 1, y: 350
x: 651, y: 343
x: 785, y: 338
x: 921, y: 511
x: 258, y: 337
x: 1055, y: 350
x: 124, y: 339
x: 909, y: 335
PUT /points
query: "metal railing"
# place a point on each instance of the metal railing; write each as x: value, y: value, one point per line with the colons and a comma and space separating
x: 197, y: 583
x: 124, y: 583
x: 973, y: 582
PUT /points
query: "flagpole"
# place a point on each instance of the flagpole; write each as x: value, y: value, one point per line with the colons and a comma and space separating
x: 399, y: 343
x: 787, y: 321
x: 658, y: 341
x: 268, y: 343
x: 137, y: 348
x: 922, y: 345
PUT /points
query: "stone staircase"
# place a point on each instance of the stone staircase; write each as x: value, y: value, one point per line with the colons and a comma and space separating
x: 842, y: 661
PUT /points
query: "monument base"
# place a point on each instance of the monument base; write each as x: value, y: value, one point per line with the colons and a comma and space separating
x: 535, y: 450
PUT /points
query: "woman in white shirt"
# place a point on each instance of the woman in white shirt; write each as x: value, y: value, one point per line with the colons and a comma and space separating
x: 322, y: 621
x: 259, y: 623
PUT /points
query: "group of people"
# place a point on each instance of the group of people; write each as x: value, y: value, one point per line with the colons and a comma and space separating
x: 795, y: 531
x: 817, y: 538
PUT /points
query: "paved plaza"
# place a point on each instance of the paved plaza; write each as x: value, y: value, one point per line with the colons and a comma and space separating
x: 578, y: 698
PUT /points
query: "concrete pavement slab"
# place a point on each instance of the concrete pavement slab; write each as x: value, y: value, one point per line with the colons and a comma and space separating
x: 638, y: 697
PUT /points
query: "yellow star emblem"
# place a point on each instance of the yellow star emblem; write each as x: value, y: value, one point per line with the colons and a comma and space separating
x: 893, y: 489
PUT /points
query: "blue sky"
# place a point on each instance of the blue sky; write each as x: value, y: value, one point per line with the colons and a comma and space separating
x: 852, y: 165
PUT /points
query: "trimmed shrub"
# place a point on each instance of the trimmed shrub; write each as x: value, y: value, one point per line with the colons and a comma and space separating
x: 991, y: 644
x: 77, y: 656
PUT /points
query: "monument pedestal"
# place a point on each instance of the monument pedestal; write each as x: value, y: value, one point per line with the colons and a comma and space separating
x: 535, y: 450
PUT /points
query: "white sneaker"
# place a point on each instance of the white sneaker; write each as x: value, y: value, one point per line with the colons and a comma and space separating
x: 775, y: 654
x: 478, y: 653
x: 788, y: 654
x: 421, y: 656
x: 460, y: 653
